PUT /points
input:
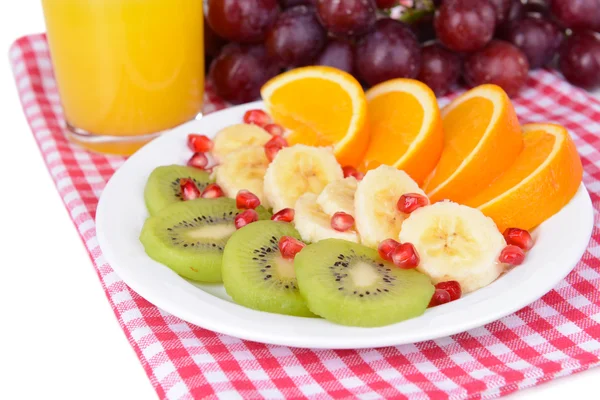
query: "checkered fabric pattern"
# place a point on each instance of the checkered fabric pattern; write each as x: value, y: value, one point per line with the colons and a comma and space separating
x: 557, y: 335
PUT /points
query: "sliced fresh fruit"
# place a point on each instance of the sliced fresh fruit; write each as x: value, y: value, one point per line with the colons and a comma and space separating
x: 236, y: 137
x: 255, y: 274
x: 482, y: 138
x: 189, y: 237
x: 405, y: 127
x: 322, y: 106
x: 297, y: 170
x: 213, y: 191
x: 245, y: 218
x: 377, y: 216
x: 455, y: 242
x: 542, y: 180
x: 338, y: 196
x: 349, y: 284
x: 314, y: 224
x: 244, y: 169
x: 284, y: 215
x: 163, y: 186
x: 289, y: 247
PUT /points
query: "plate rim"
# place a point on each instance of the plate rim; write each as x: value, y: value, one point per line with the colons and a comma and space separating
x: 170, y: 303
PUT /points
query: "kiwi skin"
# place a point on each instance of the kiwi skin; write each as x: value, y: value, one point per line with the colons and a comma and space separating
x: 323, y: 270
x: 246, y: 280
x: 201, y: 264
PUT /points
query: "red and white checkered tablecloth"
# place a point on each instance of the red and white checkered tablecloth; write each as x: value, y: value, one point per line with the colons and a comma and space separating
x: 557, y: 335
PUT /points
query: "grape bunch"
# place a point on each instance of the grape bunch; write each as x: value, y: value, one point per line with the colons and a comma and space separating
x: 439, y: 42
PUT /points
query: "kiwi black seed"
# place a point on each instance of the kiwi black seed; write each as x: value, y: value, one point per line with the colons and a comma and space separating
x: 189, y: 236
x: 350, y: 284
x: 163, y: 189
x: 256, y: 276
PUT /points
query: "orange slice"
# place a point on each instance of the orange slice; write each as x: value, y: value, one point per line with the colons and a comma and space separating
x: 482, y: 138
x: 321, y: 106
x: 542, y: 180
x: 405, y: 127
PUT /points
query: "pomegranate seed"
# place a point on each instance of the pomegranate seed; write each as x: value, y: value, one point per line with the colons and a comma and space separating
x: 245, y: 218
x: 277, y: 141
x: 342, y: 221
x: 198, y: 160
x: 409, y: 202
x: 386, y: 248
x: 518, y: 237
x: 353, y: 172
x: 440, y: 296
x: 199, y: 143
x: 246, y: 199
x: 289, y: 247
x: 405, y: 256
x: 285, y: 215
x: 257, y: 117
x: 274, y: 129
x: 452, y: 287
x: 212, y: 191
x: 189, y: 191
x: 273, y: 146
x: 512, y: 255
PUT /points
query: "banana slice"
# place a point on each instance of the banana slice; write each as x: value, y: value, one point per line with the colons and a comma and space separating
x: 377, y: 217
x: 297, y: 170
x: 455, y: 242
x: 244, y: 169
x: 314, y: 225
x: 338, y: 196
x: 238, y: 136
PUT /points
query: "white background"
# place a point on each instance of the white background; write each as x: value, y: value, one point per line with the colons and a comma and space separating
x: 58, y: 335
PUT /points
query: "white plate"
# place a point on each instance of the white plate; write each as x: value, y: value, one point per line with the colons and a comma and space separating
x: 559, y: 244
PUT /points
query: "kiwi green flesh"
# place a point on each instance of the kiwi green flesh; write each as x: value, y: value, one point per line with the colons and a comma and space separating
x: 256, y: 276
x: 162, y: 187
x: 189, y: 236
x: 349, y: 284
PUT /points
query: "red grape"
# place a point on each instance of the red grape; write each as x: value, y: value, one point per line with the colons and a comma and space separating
x: 294, y: 3
x: 212, y: 42
x: 465, y: 25
x: 296, y: 38
x: 580, y: 59
x: 338, y: 54
x: 239, y: 72
x: 389, y: 51
x: 347, y: 17
x: 538, y: 38
x: 244, y: 21
x: 386, y: 3
x: 423, y: 28
x: 500, y: 63
x: 502, y: 7
x: 515, y: 12
x: 539, y: 8
x: 440, y: 68
x: 577, y: 14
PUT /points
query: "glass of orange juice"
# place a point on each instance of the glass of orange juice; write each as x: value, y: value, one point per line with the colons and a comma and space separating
x: 126, y: 70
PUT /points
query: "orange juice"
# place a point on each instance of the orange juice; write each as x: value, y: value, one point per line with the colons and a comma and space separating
x: 126, y: 68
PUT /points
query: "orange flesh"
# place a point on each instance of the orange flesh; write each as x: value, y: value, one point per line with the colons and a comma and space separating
x: 393, y: 128
x: 463, y: 129
x: 537, y: 147
x: 313, y: 121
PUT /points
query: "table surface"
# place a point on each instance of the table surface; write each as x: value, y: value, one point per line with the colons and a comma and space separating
x: 59, y: 333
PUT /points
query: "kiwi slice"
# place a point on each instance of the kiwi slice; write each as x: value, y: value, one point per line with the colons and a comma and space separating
x: 256, y: 276
x: 162, y: 187
x: 349, y: 284
x: 189, y: 236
